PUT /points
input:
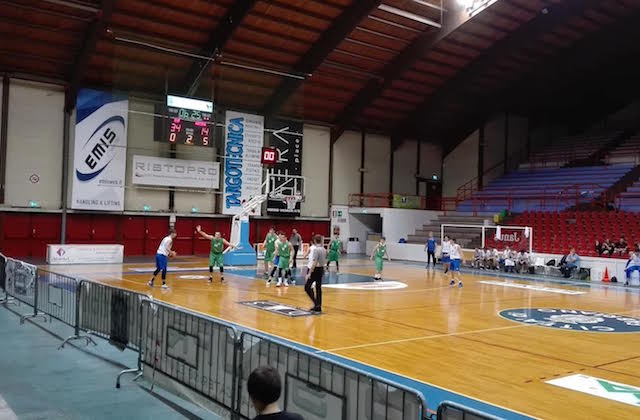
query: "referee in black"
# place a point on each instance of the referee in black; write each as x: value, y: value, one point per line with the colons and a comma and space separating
x: 317, y: 261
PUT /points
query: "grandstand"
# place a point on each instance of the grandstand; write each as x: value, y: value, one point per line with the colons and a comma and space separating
x: 547, y: 189
x: 557, y: 232
x: 570, y: 148
x: 627, y: 152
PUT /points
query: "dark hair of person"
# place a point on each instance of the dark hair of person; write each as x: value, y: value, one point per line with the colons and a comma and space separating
x: 264, y: 385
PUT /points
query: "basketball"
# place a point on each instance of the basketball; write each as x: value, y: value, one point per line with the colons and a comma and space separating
x: 172, y: 254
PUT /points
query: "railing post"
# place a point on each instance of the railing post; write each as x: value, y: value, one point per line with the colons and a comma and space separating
x: 76, y: 329
x: 138, y: 369
x: 35, y: 313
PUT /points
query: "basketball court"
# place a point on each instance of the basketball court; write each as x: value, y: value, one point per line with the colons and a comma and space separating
x: 448, y: 342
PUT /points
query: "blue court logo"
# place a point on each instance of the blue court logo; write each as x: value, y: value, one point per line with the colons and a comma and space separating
x: 573, y: 319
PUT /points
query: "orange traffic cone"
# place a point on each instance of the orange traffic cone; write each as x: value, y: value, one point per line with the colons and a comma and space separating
x: 605, y: 278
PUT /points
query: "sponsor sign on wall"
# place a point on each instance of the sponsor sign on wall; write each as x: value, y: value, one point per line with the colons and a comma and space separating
x: 286, y: 137
x: 150, y: 170
x: 85, y: 254
x: 242, y: 168
x: 100, y: 151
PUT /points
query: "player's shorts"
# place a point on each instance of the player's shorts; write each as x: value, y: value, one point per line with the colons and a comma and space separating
x: 276, y: 259
x: 216, y: 260
x: 333, y: 256
x: 283, y: 262
x: 445, y: 258
x: 161, y: 261
x: 455, y: 264
x: 268, y: 256
x: 378, y: 261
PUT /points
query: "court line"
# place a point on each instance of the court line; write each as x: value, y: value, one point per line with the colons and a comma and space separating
x: 427, y: 337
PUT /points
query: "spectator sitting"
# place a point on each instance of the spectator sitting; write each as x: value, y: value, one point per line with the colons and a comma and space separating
x: 478, y: 259
x: 633, y: 264
x: 599, y: 248
x: 503, y: 257
x: 486, y: 255
x: 495, y: 259
x: 621, y: 247
x: 509, y: 260
x: 572, y: 262
x: 523, y: 262
x: 264, y: 386
x: 607, y: 248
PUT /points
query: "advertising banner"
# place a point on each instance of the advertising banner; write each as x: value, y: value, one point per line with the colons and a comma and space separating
x: 85, y: 254
x: 286, y: 137
x: 165, y: 172
x: 242, y: 168
x: 100, y: 151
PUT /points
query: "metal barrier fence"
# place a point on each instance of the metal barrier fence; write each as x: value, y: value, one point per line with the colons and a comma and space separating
x: 57, y: 296
x: 209, y: 356
x: 316, y: 387
x: 194, y: 350
x: 110, y: 313
x: 448, y: 410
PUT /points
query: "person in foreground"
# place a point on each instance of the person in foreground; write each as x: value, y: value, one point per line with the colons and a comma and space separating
x: 264, y: 386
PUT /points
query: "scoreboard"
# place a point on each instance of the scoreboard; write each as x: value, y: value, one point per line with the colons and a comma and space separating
x: 185, y: 121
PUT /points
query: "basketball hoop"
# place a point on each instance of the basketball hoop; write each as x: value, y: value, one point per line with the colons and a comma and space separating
x: 291, y: 201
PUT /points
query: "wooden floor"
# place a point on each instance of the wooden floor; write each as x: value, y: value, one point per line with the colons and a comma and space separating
x: 449, y: 337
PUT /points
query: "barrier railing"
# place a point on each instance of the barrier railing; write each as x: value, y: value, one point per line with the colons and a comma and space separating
x: 448, y: 410
x: 400, y: 201
x: 206, y: 355
x: 192, y: 349
x: 316, y: 387
x: 111, y: 313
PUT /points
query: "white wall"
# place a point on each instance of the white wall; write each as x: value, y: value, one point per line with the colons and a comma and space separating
x: 205, y: 202
x: 34, y: 144
x: 430, y: 160
x: 346, y: 165
x: 315, y: 167
x: 517, y: 145
x: 377, y: 153
x: 494, y: 134
x: 460, y: 166
x: 140, y: 142
x: 404, y: 168
x: 399, y: 223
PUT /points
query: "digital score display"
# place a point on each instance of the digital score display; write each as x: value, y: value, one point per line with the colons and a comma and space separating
x: 185, y: 121
x: 269, y: 156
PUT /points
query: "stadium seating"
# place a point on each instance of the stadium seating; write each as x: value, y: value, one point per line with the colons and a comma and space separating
x: 568, y: 149
x: 629, y: 200
x: 627, y: 152
x: 557, y: 232
x: 550, y: 189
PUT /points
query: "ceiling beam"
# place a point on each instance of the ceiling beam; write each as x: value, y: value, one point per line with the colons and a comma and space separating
x: 575, y: 72
x: 416, y: 50
x: 218, y: 39
x: 94, y: 32
x: 342, y: 26
x: 556, y: 15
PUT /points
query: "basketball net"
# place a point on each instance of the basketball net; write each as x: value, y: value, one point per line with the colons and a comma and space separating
x: 291, y: 201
